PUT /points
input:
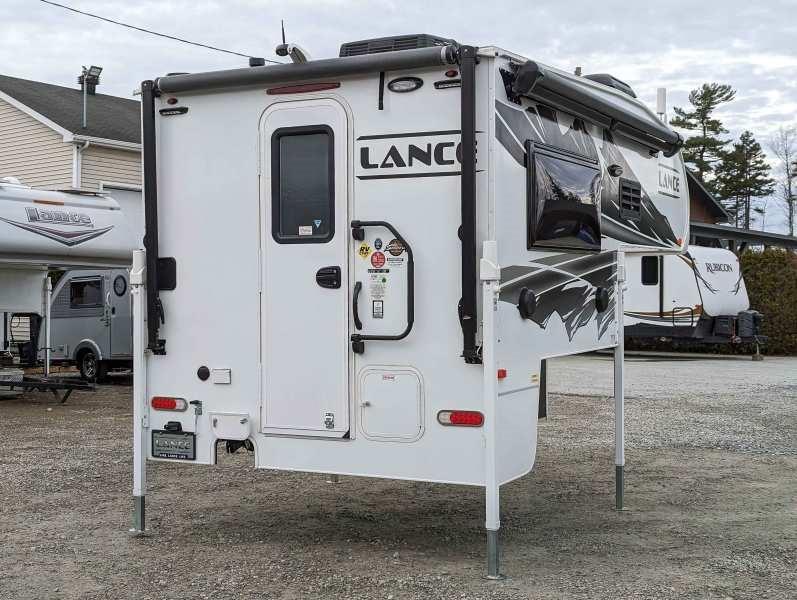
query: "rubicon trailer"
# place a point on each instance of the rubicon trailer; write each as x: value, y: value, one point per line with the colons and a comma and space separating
x: 41, y: 230
x: 404, y: 234
x: 696, y: 296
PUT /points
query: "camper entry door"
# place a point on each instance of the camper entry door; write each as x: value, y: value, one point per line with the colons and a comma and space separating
x: 304, y: 287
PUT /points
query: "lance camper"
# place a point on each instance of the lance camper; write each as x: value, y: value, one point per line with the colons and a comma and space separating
x: 409, y: 229
x: 698, y: 296
x: 42, y: 230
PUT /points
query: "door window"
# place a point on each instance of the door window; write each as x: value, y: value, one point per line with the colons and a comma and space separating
x: 650, y: 270
x: 303, y: 185
x: 86, y: 293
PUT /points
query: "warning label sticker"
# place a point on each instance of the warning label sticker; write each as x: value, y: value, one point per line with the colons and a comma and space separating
x: 378, y: 259
x: 395, y: 247
x: 379, y: 309
x: 364, y: 250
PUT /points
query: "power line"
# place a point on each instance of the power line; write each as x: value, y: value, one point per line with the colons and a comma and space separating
x: 149, y: 31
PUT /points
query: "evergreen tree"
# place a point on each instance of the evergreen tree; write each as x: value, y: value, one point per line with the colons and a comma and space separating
x: 705, y: 147
x: 741, y: 177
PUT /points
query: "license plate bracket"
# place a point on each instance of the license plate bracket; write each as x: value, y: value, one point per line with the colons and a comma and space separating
x: 176, y: 445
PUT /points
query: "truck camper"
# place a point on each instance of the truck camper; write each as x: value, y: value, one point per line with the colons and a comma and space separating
x: 409, y: 230
x: 43, y: 230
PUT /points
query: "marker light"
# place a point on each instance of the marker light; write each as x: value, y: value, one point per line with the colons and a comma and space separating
x: 168, y: 403
x: 501, y: 373
x: 461, y: 418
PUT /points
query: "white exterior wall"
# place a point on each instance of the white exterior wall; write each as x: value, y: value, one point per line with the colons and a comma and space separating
x: 32, y: 152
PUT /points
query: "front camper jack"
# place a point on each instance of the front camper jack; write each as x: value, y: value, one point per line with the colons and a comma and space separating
x: 551, y: 177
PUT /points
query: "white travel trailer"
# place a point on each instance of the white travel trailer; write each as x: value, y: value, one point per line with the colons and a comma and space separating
x: 402, y: 233
x: 42, y: 230
x: 697, y: 296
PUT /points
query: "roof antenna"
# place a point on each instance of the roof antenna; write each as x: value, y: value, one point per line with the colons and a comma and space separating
x: 294, y: 51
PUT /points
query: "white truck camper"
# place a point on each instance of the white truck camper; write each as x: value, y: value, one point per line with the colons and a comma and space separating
x: 42, y: 230
x: 698, y: 296
x: 404, y: 232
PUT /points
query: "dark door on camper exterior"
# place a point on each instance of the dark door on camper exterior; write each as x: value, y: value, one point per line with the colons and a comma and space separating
x: 304, y: 283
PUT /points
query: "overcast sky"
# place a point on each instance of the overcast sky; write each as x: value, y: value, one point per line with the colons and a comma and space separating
x: 677, y: 44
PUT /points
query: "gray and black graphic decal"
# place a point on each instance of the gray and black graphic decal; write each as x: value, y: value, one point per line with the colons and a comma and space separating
x: 65, y: 237
x: 679, y: 316
x: 565, y: 284
x: 541, y: 124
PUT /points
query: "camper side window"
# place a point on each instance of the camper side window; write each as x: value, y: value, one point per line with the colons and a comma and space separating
x: 650, y: 270
x: 563, y: 196
x: 86, y: 293
x: 303, y: 185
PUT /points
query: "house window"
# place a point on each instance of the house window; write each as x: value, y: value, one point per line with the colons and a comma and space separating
x: 303, y: 185
x: 563, y: 195
x: 650, y: 270
x: 86, y: 293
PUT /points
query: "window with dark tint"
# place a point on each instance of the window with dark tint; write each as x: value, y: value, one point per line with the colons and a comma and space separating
x: 650, y: 270
x: 303, y: 190
x: 85, y: 294
x: 563, y: 197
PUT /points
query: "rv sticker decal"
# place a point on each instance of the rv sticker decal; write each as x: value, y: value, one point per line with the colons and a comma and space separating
x: 566, y: 285
x: 42, y: 222
x: 545, y: 125
x: 416, y: 154
x: 669, y: 181
x: 715, y: 267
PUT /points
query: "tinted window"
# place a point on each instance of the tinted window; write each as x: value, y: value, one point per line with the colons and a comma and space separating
x: 303, y: 197
x: 650, y: 270
x: 563, y: 209
x: 83, y: 294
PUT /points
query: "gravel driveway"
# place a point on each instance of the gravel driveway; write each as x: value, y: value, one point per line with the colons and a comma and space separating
x: 711, y: 488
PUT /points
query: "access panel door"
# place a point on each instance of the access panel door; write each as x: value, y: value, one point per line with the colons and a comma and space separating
x: 121, y: 317
x: 304, y: 289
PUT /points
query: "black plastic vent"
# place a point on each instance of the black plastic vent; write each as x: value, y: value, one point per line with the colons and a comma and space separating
x: 393, y: 44
x: 630, y: 200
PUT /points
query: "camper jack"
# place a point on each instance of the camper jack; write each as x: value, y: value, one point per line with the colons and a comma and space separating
x: 414, y: 232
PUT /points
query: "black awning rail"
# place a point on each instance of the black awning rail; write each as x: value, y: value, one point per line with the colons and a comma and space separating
x: 596, y: 103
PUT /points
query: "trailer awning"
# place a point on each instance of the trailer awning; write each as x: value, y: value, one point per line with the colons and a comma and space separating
x: 597, y: 103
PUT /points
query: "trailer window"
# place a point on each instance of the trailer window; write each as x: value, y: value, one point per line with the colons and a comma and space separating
x: 650, y: 270
x: 303, y: 185
x: 86, y: 293
x: 563, y: 195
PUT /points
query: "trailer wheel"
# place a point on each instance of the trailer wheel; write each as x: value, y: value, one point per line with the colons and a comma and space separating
x: 91, y: 368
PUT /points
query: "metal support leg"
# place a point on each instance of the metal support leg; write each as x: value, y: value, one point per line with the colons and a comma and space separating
x: 140, y: 424
x: 333, y: 478
x: 490, y: 275
x: 48, y: 303
x: 619, y: 393
x: 542, y: 407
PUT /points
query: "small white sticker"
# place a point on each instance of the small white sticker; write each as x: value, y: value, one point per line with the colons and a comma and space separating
x: 305, y: 230
x: 379, y: 309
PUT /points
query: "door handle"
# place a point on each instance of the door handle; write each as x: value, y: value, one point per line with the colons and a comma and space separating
x: 354, y: 304
x: 328, y: 277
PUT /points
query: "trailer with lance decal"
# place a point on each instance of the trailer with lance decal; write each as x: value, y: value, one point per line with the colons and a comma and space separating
x: 410, y: 229
x: 43, y: 230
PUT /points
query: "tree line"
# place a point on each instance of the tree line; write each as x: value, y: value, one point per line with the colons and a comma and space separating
x: 737, y: 172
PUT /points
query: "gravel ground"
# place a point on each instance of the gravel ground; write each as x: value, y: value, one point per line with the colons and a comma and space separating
x: 711, y: 488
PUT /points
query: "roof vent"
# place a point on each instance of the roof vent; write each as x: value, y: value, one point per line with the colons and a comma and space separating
x: 393, y: 44
x: 10, y: 181
x: 612, y: 82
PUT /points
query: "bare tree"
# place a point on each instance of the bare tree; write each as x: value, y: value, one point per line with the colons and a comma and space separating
x: 784, y: 146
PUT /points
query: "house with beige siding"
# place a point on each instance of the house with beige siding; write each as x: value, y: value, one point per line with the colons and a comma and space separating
x: 44, y: 144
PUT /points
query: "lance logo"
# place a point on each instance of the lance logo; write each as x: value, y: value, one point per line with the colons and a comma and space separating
x: 49, y: 222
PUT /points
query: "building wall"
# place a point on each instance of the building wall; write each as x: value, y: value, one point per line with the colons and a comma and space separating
x: 109, y: 165
x: 698, y: 211
x: 32, y: 152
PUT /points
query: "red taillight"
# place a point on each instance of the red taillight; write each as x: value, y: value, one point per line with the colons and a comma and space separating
x: 302, y: 88
x: 168, y: 403
x: 461, y: 418
x: 501, y: 373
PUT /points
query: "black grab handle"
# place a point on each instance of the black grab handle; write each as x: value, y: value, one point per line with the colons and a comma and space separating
x: 354, y: 309
x: 357, y: 339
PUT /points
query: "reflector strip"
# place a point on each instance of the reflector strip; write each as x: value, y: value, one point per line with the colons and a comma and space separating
x: 51, y: 202
x: 168, y: 403
x: 302, y: 88
x: 461, y: 418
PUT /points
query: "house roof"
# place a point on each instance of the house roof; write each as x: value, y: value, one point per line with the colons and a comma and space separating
x: 698, y: 190
x: 109, y: 117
